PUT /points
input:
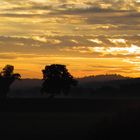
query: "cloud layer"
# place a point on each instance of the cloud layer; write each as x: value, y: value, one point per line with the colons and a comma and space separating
x: 87, y: 29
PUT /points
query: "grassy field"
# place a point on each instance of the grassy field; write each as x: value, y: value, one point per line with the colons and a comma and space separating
x: 70, y: 118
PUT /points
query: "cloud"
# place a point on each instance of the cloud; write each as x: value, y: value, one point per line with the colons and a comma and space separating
x: 72, y: 7
x: 7, y: 56
x: 77, y: 17
x: 20, y: 15
x: 115, y: 19
x: 85, y: 11
x: 27, y: 56
x: 86, y: 46
x: 36, y: 32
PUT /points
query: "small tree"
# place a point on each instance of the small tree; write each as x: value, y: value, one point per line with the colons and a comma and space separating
x: 7, y: 77
x: 57, y: 80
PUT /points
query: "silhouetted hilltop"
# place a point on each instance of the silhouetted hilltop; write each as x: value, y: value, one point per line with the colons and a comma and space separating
x: 101, y: 78
x: 111, y: 83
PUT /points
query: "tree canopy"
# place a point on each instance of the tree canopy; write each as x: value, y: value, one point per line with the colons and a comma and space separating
x: 57, y: 79
x: 7, y: 77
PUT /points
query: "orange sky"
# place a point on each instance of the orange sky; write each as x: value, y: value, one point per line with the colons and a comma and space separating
x: 89, y: 36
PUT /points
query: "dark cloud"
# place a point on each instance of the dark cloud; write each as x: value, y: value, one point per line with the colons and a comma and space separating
x: 90, y: 10
x: 7, y: 56
x: 21, y: 15
x: 119, y: 13
x: 127, y: 27
x: 124, y: 18
x: 33, y: 7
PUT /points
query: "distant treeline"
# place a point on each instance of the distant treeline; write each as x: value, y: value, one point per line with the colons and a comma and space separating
x: 112, y: 88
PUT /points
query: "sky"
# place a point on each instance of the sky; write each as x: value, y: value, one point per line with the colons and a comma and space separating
x: 90, y: 37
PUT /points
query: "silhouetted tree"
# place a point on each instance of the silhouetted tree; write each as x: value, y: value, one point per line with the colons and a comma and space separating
x: 7, y: 77
x: 57, y: 80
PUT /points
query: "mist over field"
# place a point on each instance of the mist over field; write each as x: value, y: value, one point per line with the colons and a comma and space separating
x: 92, y: 86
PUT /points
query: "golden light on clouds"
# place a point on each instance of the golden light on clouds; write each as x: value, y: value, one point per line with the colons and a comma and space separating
x: 89, y: 36
x: 115, y: 41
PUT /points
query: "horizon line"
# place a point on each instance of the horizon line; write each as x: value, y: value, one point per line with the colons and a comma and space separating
x: 88, y: 76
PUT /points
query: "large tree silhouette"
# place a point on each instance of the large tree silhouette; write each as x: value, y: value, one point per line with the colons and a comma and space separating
x: 7, y: 77
x: 57, y: 80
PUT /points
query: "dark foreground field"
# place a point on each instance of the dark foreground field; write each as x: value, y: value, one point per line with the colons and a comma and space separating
x: 70, y: 118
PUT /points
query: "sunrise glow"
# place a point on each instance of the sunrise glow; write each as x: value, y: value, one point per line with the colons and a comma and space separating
x: 89, y: 36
